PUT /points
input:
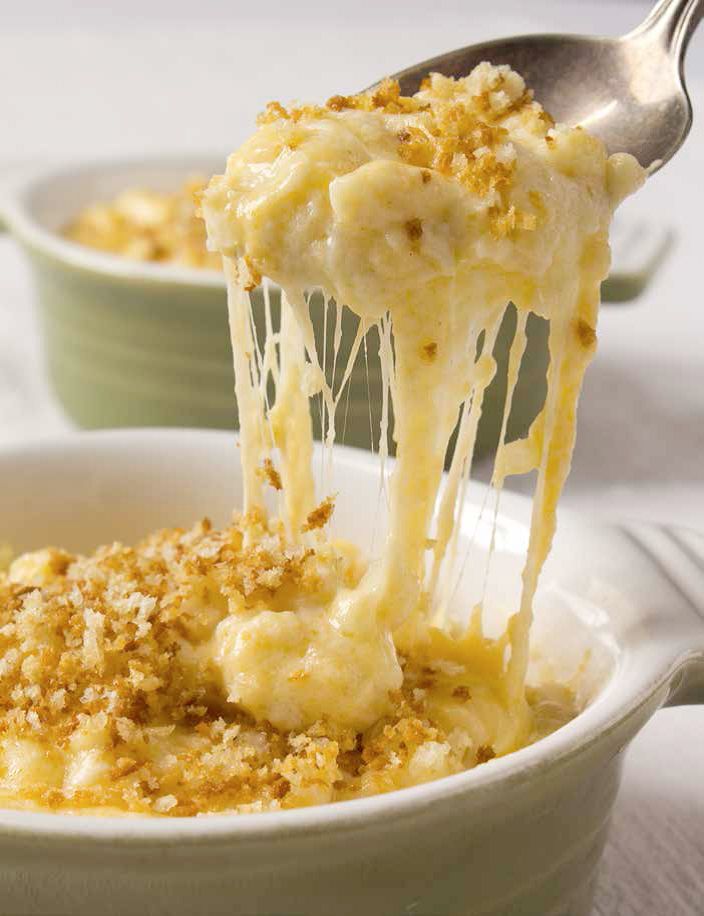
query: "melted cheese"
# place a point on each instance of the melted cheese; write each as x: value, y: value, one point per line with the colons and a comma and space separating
x: 425, y: 216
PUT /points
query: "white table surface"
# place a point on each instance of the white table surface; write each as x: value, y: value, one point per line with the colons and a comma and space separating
x: 82, y: 80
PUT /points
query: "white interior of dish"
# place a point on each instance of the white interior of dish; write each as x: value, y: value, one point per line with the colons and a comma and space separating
x: 100, y: 487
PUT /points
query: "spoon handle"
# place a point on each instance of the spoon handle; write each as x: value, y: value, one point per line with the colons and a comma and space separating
x: 671, y: 23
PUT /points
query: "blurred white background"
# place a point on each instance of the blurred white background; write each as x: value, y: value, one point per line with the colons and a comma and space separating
x: 85, y: 80
x: 103, y: 78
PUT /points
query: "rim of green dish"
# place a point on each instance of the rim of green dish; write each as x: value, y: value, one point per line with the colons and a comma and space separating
x: 16, y: 212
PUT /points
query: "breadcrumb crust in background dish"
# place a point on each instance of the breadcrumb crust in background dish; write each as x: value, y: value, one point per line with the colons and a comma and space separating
x: 110, y: 698
x: 148, y: 225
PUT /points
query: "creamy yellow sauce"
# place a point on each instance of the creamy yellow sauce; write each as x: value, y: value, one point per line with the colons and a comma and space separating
x: 426, y: 217
x: 266, y: 665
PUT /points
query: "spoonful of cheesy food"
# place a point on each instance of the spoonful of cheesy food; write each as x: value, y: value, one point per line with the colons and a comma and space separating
x: 425, y: 216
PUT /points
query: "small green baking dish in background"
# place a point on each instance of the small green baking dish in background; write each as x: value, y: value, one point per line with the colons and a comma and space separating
x: 132, y: 343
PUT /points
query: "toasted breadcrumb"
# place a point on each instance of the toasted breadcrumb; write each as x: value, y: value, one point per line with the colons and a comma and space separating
x: 586, y: 334
x: 485, y: 753
x: 148, y: 225
x: 269, y: 473
x: 321, y: 515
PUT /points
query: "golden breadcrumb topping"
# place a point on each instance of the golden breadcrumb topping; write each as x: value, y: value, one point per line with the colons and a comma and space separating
x: 321, y: 515
x: 148, y: 225
x: 271, y: 475
x: 460, y: 136
x: 111, y: 698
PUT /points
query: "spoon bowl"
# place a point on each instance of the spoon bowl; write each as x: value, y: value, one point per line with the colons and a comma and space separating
x: 628, y: 91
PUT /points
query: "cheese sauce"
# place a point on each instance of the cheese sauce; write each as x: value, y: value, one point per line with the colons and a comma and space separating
x: 425, y: 216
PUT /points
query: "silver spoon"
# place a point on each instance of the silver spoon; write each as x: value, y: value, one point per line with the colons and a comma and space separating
x: 628, y: 91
